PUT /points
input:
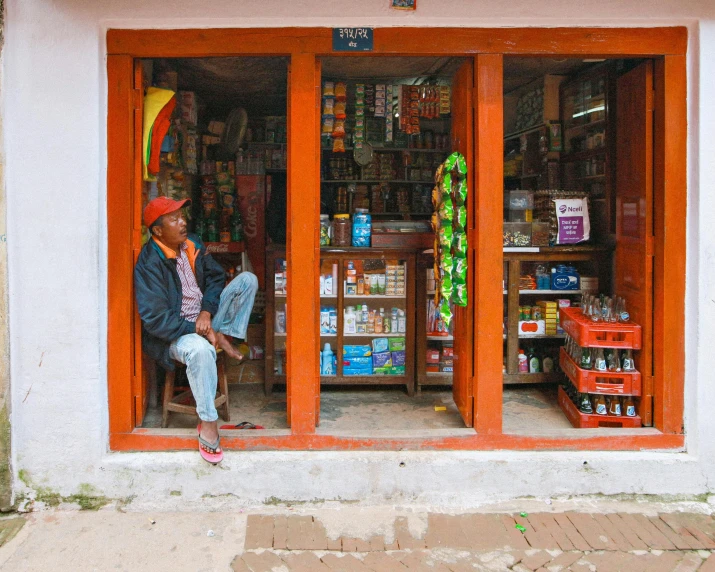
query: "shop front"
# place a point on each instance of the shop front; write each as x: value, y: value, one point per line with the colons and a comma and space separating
x: 541, y: 117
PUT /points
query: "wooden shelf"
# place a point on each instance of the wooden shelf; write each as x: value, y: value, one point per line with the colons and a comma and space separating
x: 376, y: 296
x: 390, y: 335
x: 339, y: 300
x: 526, y: 131
x: 591, y: 125
x: 375, y: 181
x: 582, y: 155
x: 433, y: 338
x: 387, y: 149
x: 548, y: 292
x: 525, y: 378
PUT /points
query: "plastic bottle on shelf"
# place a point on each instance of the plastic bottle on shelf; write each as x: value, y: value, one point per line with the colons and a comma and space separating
x: 365, y: 314
x: 350, y: 324
x: 371, y: 322
x: 523, y: 362
x: 327, y: 361
x: 534, y: 364
x: 401, y: 322
x: 379, y: 320
x: 386, y: 325
x: 547, y: 364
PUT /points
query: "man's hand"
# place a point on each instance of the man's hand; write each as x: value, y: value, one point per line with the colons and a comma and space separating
x: 203, y: 323
x: 211, y: 337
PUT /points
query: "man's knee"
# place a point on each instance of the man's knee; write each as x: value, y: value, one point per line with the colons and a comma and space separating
x: 249, y: 280
x: 200, y: 348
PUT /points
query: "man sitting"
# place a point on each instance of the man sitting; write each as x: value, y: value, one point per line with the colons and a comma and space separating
x: 186, y: 312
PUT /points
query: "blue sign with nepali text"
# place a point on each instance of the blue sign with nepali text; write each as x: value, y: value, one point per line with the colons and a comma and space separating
x: 352, y: 39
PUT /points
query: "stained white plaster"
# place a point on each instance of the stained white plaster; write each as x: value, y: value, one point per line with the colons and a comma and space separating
x: 54, y: 109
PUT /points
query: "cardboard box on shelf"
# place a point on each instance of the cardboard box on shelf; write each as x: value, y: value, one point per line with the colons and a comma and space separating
x: 432, y: 356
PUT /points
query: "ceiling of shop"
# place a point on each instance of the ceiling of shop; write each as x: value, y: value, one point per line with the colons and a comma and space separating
x: 521, y: 71
x: 259, y: 84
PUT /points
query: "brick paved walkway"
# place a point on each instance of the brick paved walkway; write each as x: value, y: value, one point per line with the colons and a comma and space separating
x: 551, y: 542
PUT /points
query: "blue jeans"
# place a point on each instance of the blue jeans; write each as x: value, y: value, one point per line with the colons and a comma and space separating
x: 199, y: 355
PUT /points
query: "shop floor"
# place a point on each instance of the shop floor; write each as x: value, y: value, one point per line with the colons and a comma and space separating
x: 364, y: 411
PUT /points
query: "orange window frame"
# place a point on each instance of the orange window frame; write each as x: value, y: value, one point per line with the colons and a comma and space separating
x: 667, y: 46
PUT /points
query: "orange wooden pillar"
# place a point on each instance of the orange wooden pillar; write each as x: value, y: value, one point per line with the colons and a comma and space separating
x: 303, y: 248
x: 670, y: 216
x: 120, y: 178
x: 488, y: 309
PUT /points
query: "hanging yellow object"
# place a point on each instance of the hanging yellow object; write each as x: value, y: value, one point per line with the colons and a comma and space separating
x: 155, y: 100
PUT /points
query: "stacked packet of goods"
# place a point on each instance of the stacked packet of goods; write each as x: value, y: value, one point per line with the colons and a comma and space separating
x: 359, y: 132
x: 449, y: 223
x: 550, y: 313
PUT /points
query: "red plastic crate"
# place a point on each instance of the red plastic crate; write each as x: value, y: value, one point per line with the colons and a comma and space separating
x: 590, y: 334
x: 604, y: 382
x: 585, y: 421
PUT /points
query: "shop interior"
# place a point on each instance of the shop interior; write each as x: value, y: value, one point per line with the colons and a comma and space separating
x: 387, y: 357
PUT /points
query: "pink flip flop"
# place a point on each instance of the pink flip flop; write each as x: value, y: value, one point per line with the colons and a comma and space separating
x: 208, y: 451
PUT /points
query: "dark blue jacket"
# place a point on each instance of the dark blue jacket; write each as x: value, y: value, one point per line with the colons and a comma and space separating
x: 158, y: 292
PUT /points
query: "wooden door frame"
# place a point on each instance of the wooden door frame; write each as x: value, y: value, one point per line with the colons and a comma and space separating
x: 667, y: 46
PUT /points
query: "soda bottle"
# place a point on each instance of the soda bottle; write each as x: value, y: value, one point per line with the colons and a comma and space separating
x: 599, y: 402
x: 236, y: 226
x: 599, y: 361
x: 585, y: 404
x: 586, y: 362
x: 614, y: 406
x: 627, y: 362
x: 614, y: 363
x: 200, y: 228
x: 212, y: 229
x: 629, y: 406
x: 623, y: 315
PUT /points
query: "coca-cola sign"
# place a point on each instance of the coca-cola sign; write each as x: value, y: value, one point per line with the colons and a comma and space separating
x: 251, y: 204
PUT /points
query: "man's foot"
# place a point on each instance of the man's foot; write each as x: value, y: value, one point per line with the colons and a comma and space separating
x: 209, y: 447
x: 225, y: 344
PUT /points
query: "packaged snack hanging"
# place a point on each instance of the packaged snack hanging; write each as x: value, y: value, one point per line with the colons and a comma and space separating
x: 449, y: 223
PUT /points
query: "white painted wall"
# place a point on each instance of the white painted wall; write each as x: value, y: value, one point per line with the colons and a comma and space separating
x: 54, y: 108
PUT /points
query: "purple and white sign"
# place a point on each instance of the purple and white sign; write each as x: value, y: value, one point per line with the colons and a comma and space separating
x: 572, y: 219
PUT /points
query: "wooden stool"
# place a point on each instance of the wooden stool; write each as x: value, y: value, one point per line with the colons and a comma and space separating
x: 177, y: 403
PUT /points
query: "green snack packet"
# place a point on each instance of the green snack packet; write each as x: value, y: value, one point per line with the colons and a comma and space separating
x: 459, y: 294
x: 445, y: 312
x: 461, y: 165
x: 446, y: 287
x: 446, y: 212
x: 461, y: 219
x: 445, y: 236
x: 459, y: 272
x: 451, y: 161
x: 445, y: 187
x: 460, y: 193
x: 459, y: 244
x: 446, y: 262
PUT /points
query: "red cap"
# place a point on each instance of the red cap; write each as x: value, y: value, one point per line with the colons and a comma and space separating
x: 161, y: 206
